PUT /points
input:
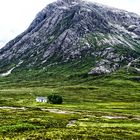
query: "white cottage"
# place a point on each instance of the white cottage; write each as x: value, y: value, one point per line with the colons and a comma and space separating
x: 41, y: 99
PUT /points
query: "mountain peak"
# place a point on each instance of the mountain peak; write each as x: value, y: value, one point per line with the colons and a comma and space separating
x: 70, y: 1
x: 72, y: 31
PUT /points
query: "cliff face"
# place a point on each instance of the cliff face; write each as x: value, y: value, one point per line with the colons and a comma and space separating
x: 70, y: 30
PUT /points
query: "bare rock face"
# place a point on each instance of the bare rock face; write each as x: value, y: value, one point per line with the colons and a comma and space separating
x: 68, y: 30
x: 99, y: 70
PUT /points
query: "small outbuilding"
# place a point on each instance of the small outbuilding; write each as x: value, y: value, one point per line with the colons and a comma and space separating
x: 41, y: 99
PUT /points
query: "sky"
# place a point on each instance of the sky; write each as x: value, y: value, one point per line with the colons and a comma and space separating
x: 16, y: 15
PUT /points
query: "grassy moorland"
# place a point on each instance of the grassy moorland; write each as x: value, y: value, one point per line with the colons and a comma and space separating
x: 94, y: 107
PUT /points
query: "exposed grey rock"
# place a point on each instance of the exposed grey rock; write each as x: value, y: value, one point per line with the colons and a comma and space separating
x: 132, y: 28
x: 137, y: 30
x: 99, y: 71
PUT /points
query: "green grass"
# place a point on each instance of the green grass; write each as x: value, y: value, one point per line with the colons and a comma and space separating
x: 87, y: 99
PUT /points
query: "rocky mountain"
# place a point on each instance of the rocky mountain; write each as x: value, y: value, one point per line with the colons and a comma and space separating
x: 69, y: 31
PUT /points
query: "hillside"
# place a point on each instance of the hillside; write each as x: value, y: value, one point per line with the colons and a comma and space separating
x: 88, y: 54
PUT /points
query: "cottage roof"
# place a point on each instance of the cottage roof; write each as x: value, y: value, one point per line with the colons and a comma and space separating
x: 41, y: 98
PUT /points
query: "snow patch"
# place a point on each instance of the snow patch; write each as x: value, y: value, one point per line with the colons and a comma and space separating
x: 7, y: 73
x: 138, y: 70
x: 10, y: 71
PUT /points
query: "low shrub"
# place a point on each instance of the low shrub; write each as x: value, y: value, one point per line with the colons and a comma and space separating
x: 55, y: 99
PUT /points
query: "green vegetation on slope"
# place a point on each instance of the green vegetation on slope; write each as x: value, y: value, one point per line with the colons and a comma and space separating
x: 94, y: 107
